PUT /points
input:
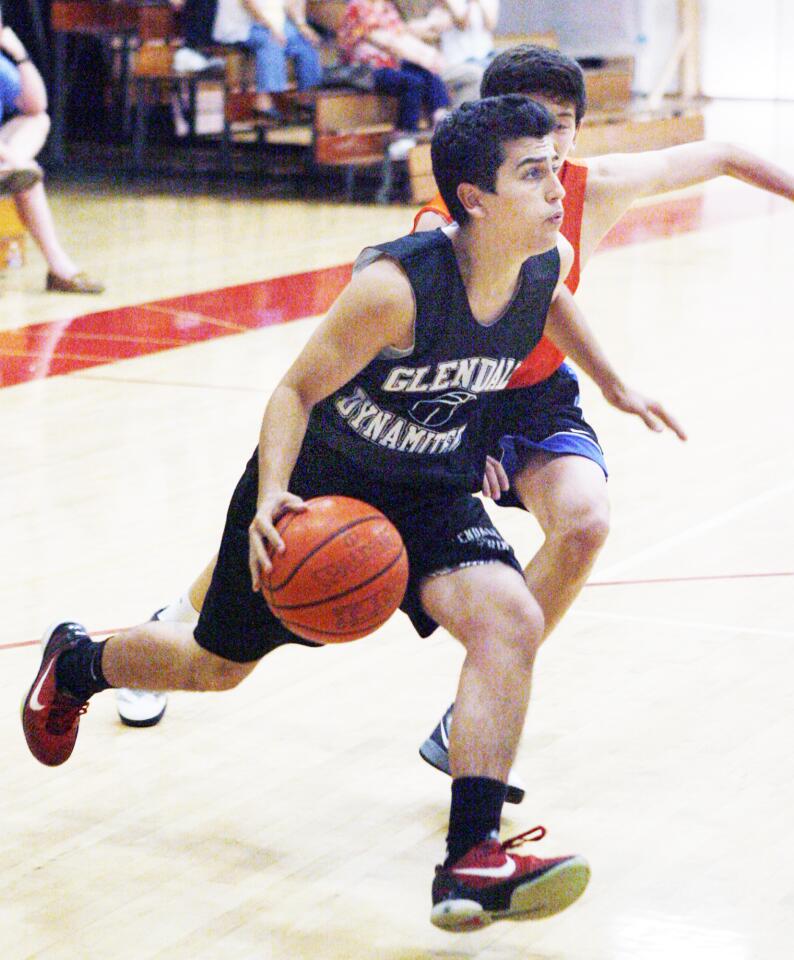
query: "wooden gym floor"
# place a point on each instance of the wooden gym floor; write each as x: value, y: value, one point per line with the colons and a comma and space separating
x: 292, y: 818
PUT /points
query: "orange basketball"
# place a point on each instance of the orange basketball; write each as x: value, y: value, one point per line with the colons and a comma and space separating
x: 343, y: 571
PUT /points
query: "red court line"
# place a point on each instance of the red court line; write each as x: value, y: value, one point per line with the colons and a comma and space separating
x: 695, y: 579
x: 594, y: 583
x: 49, y: 349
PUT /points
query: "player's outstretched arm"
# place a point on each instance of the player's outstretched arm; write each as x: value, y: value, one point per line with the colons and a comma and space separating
x: 567, y: 327
x: 646, y: 174
x: 616, y: 180
x: 374, y: 311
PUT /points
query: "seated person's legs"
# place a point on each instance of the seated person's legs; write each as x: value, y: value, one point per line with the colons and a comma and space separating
x: 402, y: 84
x: 23, y: 136
x: 21, y: 139
x: 63, y: 275
x: 308, y: 69
x: 271, y: 68
x: 435, y: 99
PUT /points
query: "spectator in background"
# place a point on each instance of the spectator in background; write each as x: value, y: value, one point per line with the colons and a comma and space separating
x: 276, y: 31
x: 373, y: 33
x: 469, y: 38
x: 463, y: 31
x: 24, y: 125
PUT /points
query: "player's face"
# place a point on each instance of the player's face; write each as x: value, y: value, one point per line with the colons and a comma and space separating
x: 527, y: 204
x: 564, y: 133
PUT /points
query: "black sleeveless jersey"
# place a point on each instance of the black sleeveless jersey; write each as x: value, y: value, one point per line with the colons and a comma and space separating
x: 417, y: 416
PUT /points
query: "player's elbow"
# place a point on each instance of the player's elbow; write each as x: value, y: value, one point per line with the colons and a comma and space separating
x: 726, y: 159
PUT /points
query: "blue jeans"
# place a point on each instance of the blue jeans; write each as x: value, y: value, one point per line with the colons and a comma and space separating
x: 416, y: 88
x: 271, y: 59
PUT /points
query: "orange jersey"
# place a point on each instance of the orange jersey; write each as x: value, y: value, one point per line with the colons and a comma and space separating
x: 545, y: 358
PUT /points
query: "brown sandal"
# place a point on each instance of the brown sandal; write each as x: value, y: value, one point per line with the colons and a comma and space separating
x: 79, y: 283
x: 21, y: 178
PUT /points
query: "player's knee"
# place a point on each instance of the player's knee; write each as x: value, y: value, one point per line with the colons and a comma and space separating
x: 583, y: 532
x: 514, y: 622
x: 525, y: 625
x: 592, y: 528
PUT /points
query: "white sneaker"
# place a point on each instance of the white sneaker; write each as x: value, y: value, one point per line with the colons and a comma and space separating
x: 187, y: 60
x: 400, y: 148
x: 140, y: 708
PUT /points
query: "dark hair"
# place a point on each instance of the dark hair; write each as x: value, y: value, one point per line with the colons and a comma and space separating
x: 467, y: 145
x: 529, y: 69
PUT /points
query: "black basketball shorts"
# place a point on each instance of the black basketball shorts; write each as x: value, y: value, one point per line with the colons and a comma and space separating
x: 442, y: 528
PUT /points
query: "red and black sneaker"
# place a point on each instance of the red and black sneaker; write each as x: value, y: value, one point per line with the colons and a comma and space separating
x: 50, y: 718
x: 491, y: 884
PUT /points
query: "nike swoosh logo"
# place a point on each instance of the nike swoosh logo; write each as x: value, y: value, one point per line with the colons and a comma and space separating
x: 35, y: 703
x: 507, y: 869
x: 444, y: 736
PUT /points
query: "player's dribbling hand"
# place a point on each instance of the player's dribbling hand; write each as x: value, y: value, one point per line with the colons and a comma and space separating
x: 651, y: 412
x: 495, y: 481
x: 263, y: 537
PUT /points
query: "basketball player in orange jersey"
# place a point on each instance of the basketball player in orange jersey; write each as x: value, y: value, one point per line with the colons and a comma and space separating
x: 548, y: 460
x: 386, y: 404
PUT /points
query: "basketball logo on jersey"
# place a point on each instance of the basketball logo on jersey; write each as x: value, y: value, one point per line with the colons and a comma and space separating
x: 417, y: 426
x: 387, y: 429
x: 439, y: 410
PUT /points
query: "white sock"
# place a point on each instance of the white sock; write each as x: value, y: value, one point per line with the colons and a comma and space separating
x: 179, y: 611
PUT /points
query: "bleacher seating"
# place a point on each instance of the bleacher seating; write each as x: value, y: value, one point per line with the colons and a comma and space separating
x: 351, y: 129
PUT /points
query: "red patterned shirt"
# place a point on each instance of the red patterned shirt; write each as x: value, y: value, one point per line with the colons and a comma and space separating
x: 361, y: 18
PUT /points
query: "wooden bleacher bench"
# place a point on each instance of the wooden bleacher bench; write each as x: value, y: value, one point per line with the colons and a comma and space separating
x: 12, y: 233
x: 155, y: 82
x: 504, y: 41
x: 351, y: 128
x: 639, y: 130
x: 608, y: 83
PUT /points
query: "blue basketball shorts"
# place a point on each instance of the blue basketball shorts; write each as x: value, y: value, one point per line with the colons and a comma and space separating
x: 545, y: 417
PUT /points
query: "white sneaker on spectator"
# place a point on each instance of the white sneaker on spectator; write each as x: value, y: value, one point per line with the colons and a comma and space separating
x: 187, y: 60
x: 401, y: 147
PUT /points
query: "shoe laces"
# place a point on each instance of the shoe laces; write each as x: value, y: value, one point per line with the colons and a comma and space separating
x: 528, y: 836
x: 64, y: 713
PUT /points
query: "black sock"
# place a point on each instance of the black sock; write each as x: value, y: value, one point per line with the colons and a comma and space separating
x: 475, y: 814
x: 79, y: 671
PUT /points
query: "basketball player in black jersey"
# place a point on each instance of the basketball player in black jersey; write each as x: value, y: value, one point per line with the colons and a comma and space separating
x: 384, y: 404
